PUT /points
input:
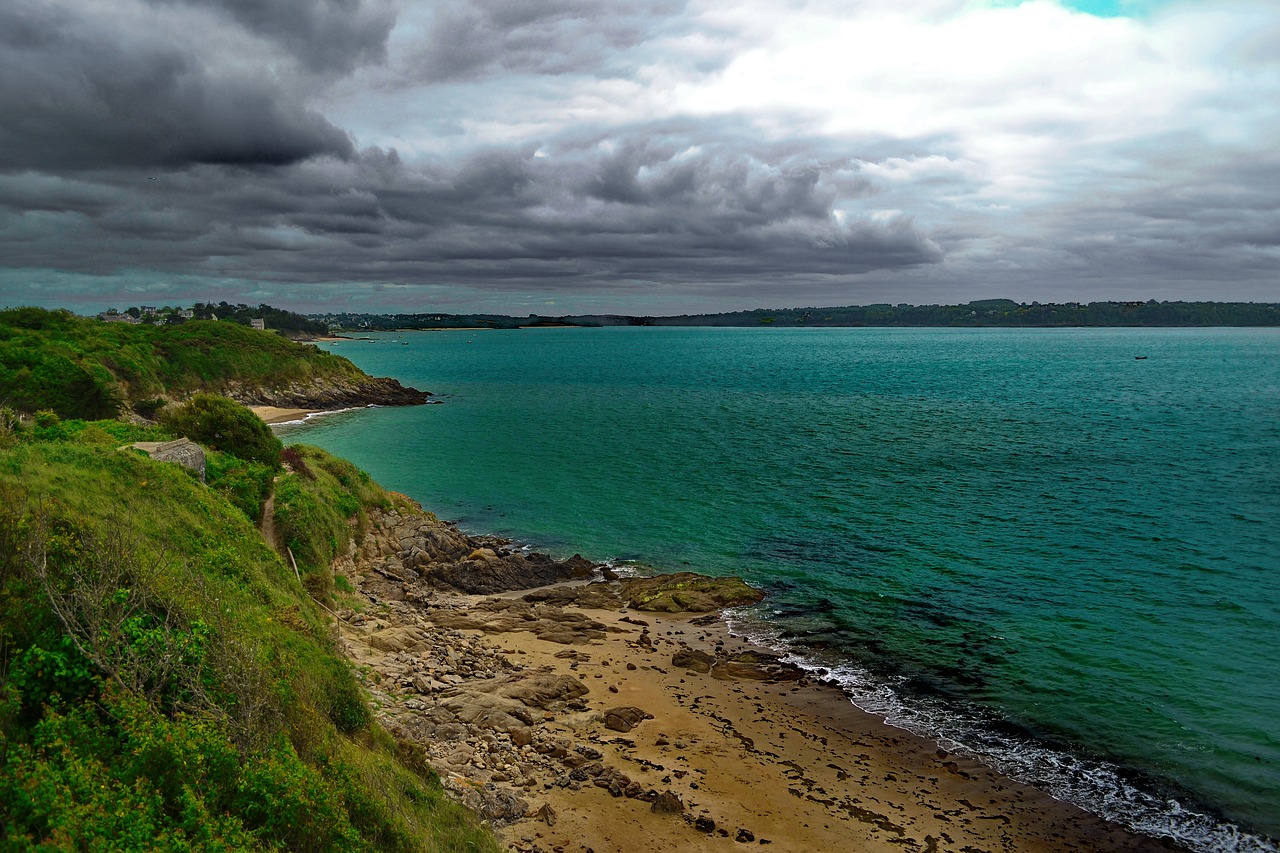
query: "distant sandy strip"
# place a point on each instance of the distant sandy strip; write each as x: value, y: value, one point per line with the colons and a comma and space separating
x: 276, y: 415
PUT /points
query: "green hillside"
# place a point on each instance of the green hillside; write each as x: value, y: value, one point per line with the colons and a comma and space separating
x: 167, y: 682
x: 85, y: 368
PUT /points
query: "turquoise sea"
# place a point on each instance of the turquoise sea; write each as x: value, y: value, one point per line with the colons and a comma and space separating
x: 1057, y: 549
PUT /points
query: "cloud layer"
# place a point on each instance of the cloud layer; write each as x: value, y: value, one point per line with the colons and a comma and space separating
x: 648, y: 156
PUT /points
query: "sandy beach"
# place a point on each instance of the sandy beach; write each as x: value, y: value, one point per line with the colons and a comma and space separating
x: 573, y: 728
x: 789, y: 764
x: 277, y: 415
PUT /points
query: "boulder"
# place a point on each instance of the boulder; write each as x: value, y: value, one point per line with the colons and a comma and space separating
x: 399, y: 639
x: 693, y: 659
x: 625, y: 719
x: 614, y: 781
x: 544, y: 691
x: 485, y: 710
x: 500, y: 615
x: 755, y: 666
x: 600, y: 596
x: 490, y: 802
x: 668, y: 802
x: 486, y: 575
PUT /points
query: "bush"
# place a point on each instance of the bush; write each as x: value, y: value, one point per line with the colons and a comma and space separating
x: 148, y: 408
x: 224, y: 425
x: 246, y: 484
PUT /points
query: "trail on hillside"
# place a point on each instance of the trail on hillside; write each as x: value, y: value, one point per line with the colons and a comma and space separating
x: 268, y: 524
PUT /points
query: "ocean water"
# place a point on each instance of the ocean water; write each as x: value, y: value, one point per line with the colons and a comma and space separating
x: 1058, y: 550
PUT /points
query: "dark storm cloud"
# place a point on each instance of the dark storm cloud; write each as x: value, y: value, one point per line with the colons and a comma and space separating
x: 327, y: 35
x: 467, y: 40
x: 1190, y: 219
x: 78, y: 92
x: 581, y: 147
x: 589, y: 215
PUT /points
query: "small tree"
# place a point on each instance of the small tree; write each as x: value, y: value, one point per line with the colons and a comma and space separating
x: 224, y: 425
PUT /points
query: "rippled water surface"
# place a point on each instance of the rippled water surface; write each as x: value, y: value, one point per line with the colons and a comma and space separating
x: 1033, y: 543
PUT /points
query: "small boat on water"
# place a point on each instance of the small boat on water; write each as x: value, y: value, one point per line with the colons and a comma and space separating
x: 1139, y: 358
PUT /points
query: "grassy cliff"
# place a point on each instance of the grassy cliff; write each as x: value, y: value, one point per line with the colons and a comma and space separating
x: 167, y: 681
x: 85, y: 368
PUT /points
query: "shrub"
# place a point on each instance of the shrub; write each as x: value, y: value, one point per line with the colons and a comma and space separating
x: 246, y: 484
x: 148, y: 408
x: 224, y: 425
x: 295, y: 461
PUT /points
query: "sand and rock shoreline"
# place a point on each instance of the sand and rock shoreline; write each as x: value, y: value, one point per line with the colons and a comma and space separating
x: 579, y: 711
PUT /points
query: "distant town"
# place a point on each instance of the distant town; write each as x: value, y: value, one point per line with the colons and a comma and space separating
x: 258, y: 317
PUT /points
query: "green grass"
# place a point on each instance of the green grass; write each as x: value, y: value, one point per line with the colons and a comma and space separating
x: 165, y: 681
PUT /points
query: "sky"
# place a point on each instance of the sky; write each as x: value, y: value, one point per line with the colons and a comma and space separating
x: 644, y: 157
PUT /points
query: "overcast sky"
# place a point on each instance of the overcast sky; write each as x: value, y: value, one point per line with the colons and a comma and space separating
x: 646, y: 156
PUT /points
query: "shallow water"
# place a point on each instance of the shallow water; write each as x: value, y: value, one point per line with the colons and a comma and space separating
x: 1027, y: 542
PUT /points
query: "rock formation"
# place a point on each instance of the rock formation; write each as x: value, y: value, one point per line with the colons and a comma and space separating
x: 328, y: 393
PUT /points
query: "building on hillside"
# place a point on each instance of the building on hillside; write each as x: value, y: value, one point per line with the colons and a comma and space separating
x: 258, y: 324
x: 182, y: 451
x: 118, y: 318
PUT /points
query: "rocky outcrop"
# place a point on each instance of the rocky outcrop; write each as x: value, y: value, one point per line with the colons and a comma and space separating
x: 330, y: 393
x: 500, y: 615
x: 685, y: 592
x: 486, y: 572
x: 498, y: 731
x: 682, y: 592
x: 416, y: 553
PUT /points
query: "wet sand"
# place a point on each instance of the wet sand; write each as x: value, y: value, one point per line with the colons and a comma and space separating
x: 788, y: 764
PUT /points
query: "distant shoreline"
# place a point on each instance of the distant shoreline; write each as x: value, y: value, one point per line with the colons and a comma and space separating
x: 984, y: 313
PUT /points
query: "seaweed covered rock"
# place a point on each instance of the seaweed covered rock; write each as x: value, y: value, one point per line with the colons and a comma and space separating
x: 685, y: 592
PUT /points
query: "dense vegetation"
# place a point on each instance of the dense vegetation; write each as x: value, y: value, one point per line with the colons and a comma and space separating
x: 276, y: 319
x: 988, y: 312
x: 85, y: 368
x: 167, y: 682
x: 224, y: 425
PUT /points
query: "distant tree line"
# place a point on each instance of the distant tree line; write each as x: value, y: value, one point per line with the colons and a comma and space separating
x: 981, y: 313
x: 1000, y: 312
